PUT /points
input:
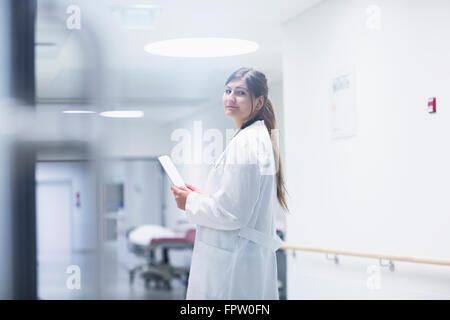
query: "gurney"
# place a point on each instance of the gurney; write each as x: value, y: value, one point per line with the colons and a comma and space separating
x: 155, y: 243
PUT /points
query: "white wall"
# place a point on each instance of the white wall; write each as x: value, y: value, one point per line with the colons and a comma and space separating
x: 385, y: 189
x: 143, y: 192
x: 135, y: 138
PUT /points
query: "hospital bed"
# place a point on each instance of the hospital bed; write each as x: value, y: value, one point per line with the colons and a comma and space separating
x: 156, y: 245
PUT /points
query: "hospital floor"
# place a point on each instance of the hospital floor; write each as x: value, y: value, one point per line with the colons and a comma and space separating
x: 105, y: 278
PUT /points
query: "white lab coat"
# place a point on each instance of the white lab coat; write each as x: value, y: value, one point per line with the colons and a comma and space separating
x: 234, y: 251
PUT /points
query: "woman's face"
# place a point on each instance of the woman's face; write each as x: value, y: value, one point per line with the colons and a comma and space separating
x: 238, y: 103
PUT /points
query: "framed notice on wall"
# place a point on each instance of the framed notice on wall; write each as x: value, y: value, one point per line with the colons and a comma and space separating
x: 343, y: 114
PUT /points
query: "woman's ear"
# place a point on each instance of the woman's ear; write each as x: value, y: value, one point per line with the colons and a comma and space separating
x: 260, y: 103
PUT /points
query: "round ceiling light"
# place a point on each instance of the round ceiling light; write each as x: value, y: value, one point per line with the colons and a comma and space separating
x: 201, y: 47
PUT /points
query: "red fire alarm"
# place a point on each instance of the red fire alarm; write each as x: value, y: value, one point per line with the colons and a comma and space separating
x: 432, y: 105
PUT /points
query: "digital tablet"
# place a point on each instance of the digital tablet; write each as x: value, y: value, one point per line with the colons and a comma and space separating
x: 171, y: 171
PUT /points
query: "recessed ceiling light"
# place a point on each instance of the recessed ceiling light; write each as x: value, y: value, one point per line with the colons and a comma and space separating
x: 122, y: 114
x: 201, y: 47
x: 78, y: 111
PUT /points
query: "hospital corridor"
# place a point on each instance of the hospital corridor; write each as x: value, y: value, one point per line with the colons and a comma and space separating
x: 237, y: 150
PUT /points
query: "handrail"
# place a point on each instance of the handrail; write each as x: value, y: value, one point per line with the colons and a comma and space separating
x: 423, y: 260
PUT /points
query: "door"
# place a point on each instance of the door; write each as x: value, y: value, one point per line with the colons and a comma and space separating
x: 54, y: 219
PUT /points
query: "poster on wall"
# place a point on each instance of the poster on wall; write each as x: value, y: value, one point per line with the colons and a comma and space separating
x: 343, y: 115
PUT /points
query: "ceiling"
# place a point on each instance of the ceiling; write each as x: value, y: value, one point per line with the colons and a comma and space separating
x: 113, y: 34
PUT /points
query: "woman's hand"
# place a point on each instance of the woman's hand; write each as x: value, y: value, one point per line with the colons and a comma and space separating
x: 181, y: 194
x: 193, y: 188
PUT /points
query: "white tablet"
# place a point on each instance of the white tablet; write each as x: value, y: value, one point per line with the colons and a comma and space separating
x: 171, y: 171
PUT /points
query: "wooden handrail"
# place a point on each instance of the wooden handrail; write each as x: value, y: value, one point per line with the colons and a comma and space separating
x: 443, y: 262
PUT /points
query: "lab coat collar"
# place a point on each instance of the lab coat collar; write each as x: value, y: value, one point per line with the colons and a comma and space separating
x: 253, y: 125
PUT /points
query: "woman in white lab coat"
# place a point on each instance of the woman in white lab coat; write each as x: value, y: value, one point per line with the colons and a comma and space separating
x: 234, y: 250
